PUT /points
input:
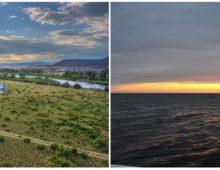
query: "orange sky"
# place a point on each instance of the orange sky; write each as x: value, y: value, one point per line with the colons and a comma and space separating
x: 168, y: 87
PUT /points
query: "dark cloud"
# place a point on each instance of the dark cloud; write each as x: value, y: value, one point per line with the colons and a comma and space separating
x: 28, y: 46
x: 69, y: 32
x: 73, y: 33
x: 165, y: 42
x: 95, y: 9
x: 70, y: 12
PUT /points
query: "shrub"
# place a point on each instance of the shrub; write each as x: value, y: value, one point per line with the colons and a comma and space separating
x: 5, y: 164
x: 101, y: 144
x: 68, y: 142
x: 4, y: 125
x: 7, y: 119
x: 65, y: 84
x: 24, y: 112
x: 84, y: 155
x: 2, y: 138
x: 74, y: 151
x: 41, y: 147
x: 34, y: 109
x: 59, y: 162
x: 54, y: 146
x: 93, y: 134
x: 106, y: 88
x: 13, y: 111
x: 27, y: 140
x: 66, y: 153
x: 13, y: 75
x: 22, y: 76
x: 77, y: 86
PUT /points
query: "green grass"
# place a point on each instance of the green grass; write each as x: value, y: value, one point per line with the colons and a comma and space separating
x: 5, y: 164
x: 41, y: 147
x: 2, y: 138
x: 54, y: 146
x: 27, y: 140
x: 75, y: 117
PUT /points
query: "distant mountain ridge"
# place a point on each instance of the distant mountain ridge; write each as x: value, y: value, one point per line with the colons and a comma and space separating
x: 72, y: 63
x: 84, y: 63
x: 28, y: 64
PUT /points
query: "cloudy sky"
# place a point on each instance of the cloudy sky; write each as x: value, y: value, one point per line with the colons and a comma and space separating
x: 52, y: 31
x: 156, y: 45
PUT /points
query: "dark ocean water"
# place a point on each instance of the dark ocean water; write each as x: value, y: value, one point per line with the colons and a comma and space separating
x: 166, y: 130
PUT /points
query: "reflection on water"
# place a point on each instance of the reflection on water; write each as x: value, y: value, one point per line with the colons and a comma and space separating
x: 83, y: 84
x: 166, y: 130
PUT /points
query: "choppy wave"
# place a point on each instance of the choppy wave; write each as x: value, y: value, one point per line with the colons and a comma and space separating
x: 166, y: 130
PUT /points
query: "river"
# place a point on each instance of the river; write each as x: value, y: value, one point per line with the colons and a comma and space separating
x: 85, y: 85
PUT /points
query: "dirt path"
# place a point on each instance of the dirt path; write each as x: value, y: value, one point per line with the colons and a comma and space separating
x: 46, y: 143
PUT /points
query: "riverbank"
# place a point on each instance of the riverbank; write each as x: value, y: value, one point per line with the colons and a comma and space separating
x: 56, y: 82
x: 58, y: 76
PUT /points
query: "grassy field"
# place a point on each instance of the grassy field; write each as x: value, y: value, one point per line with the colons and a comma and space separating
x: 17, y: 153
x: 78, y: 118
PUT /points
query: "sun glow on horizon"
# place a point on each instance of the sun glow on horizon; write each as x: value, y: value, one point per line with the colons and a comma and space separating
x: 168, y: 87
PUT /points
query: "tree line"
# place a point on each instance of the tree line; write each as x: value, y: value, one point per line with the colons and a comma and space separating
x: 102, y: 75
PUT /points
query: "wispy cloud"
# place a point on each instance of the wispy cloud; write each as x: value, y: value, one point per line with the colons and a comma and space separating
x: 19, y: 45
x: 17, y: 36
x: 87, y: 39
x: 68, y: 12
x: 4, y: 38
x: 13, y: 58
x: 91, y: 13
x: 13, y: 16
x: 8, y: 31
x: 3, y: 4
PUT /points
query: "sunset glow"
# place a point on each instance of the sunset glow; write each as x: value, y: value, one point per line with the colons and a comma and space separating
x: 165, y: 48
x: 167, y: 87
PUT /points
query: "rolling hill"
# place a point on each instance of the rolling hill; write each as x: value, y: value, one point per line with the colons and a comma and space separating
x: 84, y: 63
